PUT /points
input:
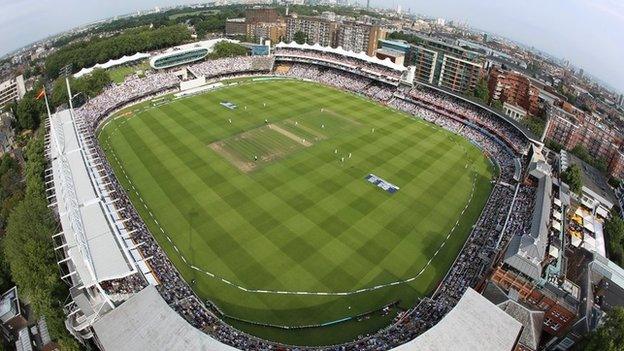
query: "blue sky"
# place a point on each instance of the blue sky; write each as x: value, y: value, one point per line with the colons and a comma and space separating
x: 590, y: 33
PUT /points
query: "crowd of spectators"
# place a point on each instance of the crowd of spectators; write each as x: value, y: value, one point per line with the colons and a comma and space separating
x: 232, y: 65
x: 373, y: 89
x: 475, y: 257
x: 115, y: 96
x: 452, y: 107
x: 351, y: 64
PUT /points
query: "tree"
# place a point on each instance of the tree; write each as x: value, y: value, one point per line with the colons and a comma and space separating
x: 614, y: 228
x: 610, y: 335
x: 227, y: 49
x: 572, y: 177
x: 497, y: 104
x: 300, y: 37
x: 28, y: 249
x: 535, y: 124
x: 481, y: 91
x: 86, y: 54
x: 90, y: 85
x: 554, y: 146
x: 584, y: 155
x: 29, y: 110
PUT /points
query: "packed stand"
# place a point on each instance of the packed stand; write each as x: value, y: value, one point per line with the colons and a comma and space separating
x: 478, y: 252
x: 233, y: 65
x: 351, y: 64
x: 129, y: 91
x: 452, y: 107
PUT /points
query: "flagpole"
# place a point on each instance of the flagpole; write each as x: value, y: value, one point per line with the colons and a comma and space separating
x: 45, y: 95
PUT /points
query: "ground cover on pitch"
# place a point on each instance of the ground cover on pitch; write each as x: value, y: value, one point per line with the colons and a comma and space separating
x: 298, y: 237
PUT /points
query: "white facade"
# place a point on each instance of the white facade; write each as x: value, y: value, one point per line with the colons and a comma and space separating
x: 12, y: 90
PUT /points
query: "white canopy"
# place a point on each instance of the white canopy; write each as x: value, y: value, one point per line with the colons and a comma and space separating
x: 576, y: 242
x: 588, y: 224
x: 553, y: 251
x: 557, y: 202
x: 112, y: 63
x: 340, y: 51
x: 556, y: 225
x: 557, y: 215
x: 602, y: 212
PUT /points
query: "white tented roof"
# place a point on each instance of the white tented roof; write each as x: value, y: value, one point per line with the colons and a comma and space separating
x: 146, y: 322
x: 474, y: 324
x: 340, y: 51
x: 90, y: 225
x: 112, y: 63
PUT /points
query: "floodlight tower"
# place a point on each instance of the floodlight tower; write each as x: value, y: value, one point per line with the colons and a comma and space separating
x: 66, y: 71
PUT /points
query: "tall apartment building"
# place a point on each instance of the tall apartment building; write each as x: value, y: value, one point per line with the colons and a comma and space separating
x: 514, y: 88
x: 262, y: 15
x: 358, y: 37
x: 317, y: 30
x: 12, y: 90
x: 443, y: 64
x: 258, y: 23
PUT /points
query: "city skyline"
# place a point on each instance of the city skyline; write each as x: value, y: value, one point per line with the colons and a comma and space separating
x: 585, y: 32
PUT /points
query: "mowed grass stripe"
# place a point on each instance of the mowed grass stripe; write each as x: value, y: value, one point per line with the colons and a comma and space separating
x: 306, y: 221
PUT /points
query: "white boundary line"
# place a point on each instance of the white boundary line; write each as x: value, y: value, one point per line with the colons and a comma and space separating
x: 276, y: 292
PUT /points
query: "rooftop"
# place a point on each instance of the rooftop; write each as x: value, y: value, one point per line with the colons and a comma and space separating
x: 526, y: 252
x: 593, y: 179
x: 474, y: 324
x: 146, y: 322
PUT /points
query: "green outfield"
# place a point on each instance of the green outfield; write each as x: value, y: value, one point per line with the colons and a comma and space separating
x: 266, y: 211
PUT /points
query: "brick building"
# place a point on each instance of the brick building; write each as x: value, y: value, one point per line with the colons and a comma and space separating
x: 569, y: 127
x: 258, y: 23
x: 514, y: 88
x: 560, y: 305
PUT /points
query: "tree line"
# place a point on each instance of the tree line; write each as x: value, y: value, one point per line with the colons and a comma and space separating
x: 81, y: 55
x: 27, y: 246
x: 89, y: 86
x: 227, y: 49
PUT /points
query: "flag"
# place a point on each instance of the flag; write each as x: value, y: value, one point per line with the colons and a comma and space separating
x: 41, y: 94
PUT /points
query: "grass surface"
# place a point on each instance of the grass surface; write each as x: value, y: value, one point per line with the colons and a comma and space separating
x: 302, y: 221
x: 119, y: 74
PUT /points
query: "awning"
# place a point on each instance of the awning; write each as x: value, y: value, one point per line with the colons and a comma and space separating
x: 557, y: 215
x: 553, y: 251
x: 556, y: 225
x: 558, y: 202
x: 602, y: 212
x: 576, y: 242
x: 589, y: 226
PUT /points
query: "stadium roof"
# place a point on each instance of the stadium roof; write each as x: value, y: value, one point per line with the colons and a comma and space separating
x: 474, y: 324
x: 526, y: 252
x: 531, y: 320
x: 146, y: 322
x: 90, y: 225
x: 340, y: 51
x: 112, y: 63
